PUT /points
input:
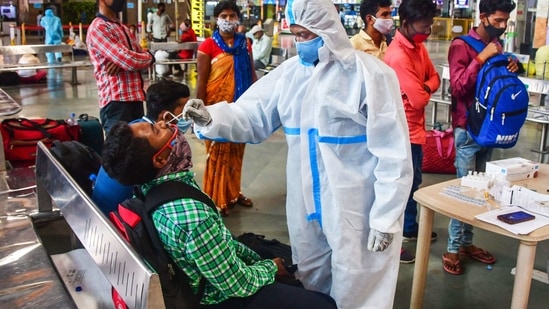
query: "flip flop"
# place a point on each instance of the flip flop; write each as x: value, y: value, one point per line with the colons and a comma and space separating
x: 478, y: 254
x: 450, y: 266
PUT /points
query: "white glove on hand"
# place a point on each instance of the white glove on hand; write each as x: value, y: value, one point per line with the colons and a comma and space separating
x: 195, y: 110
x: 378, y: 241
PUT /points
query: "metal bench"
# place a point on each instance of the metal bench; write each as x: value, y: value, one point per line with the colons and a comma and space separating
x: 136, y: 283
x: 8, y: 106
x: 172, y: 47
x: 278, y: 55
x: 12, y: 54
x: 436, y: 99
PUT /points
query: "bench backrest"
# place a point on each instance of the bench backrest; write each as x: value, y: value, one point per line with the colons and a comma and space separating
x: 18, y: 50
x: 174, y: 46
x: 138, y: 285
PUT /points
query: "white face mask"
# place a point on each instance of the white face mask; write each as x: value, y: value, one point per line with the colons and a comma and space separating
x: 227, y: 25
x: 383, y: 25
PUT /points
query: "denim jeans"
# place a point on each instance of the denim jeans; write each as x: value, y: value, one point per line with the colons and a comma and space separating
x: 410, y: 213
x: 469, y: 157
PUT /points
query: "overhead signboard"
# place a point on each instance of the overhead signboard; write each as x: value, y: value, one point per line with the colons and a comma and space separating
x: 461, y: 4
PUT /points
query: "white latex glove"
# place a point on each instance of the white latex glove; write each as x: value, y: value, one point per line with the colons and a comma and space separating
x: 195, y: 110
x: 378, y: 241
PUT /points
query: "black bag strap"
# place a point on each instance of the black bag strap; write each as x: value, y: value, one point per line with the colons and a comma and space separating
x: 38, y: 127
x: 172, y: 190
x: 9, y: 125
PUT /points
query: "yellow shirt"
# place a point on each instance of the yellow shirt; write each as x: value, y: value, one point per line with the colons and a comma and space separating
x: 362, y: 41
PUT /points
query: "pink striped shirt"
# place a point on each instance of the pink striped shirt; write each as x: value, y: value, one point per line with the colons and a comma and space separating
x: 109, y: 42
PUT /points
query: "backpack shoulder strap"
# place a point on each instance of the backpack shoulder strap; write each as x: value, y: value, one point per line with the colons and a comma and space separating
x: 172, y: 190
x: 167, y: 192
x: 477, y: 45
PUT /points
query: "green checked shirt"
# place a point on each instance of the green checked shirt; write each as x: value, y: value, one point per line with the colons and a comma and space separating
x: 198, y: 241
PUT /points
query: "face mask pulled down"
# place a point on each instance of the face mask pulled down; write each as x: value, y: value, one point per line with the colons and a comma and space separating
x: 308, y: 51
x: 180, y: 158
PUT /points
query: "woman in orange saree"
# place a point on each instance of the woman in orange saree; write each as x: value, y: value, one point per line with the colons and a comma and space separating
x: 225, y: 71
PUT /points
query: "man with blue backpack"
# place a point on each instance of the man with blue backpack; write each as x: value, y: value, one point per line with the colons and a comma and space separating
x: 478, y: 123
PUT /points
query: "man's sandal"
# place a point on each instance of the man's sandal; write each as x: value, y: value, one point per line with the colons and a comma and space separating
x: 478, y: 254
x: 450, y: 266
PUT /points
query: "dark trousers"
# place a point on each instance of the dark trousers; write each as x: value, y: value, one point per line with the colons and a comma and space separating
x: 410, y: 213
x: 116, y: 111
x: 279, y: 296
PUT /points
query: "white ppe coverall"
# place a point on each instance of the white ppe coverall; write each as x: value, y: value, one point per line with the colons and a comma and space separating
x: 349, y: 163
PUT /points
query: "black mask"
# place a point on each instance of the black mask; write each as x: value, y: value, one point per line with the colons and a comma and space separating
x: 493, y: 32
x: 117, y: 6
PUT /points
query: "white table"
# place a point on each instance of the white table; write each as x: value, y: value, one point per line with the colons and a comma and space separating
x: 431, y: 201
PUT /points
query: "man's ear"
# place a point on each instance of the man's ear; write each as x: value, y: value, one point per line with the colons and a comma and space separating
x: 159, y: 161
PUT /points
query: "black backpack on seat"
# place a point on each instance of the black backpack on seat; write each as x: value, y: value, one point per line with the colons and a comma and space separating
x: 79, y: 160
x: 134, y: 221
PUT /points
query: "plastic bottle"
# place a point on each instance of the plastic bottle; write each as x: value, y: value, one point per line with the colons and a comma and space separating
x: 71, y: 121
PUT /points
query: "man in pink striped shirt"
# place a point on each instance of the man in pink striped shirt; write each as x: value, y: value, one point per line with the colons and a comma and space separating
x: 118, y: 61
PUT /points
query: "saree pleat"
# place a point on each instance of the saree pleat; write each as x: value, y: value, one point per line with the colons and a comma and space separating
x: 224, y: 160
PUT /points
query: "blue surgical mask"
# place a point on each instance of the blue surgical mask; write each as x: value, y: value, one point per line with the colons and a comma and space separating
x: 182, y: 124
x: 308, y: 51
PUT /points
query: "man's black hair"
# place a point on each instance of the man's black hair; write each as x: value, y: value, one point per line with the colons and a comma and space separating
x: 226, y: 5
x: 416, y: 10
x: 161, y: 4
x: 370, y: 7
x: 164, y: 96
x: 489, y: 7
x: 126, y: 158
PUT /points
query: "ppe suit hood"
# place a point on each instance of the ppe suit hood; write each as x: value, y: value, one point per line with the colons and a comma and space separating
x: 49, y: 13
x: 321, y: 18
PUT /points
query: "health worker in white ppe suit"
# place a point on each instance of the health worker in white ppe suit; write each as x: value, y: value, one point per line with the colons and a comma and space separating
x: 349, y: 170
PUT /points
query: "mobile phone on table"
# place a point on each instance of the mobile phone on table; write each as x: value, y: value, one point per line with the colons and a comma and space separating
x: 516, y: 217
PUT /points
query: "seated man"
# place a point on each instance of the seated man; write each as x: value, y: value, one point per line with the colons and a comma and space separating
x: 187, y: 35
x: 31, y: 76
x: 192, y: 232
x: 165, y: 101
x: 261, y: 47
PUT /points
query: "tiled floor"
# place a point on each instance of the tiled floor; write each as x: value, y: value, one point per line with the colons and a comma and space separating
x: 264, y: 181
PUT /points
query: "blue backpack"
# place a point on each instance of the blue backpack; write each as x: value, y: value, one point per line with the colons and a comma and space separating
x: 501, y: 102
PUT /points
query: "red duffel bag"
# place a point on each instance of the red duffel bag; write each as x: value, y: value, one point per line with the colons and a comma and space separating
x: 21, y: 135
x: 439, y: 152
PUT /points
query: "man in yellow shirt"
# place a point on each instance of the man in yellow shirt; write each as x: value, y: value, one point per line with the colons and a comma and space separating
x: 378, y: 23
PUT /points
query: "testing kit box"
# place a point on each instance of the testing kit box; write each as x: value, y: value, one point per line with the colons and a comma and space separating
x: 513, y: 169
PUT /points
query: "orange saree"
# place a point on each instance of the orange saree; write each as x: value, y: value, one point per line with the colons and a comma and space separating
x: 224, y: 160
